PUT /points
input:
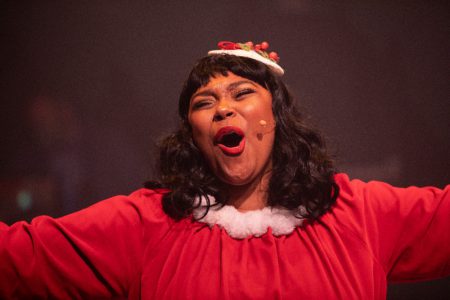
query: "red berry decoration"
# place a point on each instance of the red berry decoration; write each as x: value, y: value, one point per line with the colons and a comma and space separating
x: 226, y: 45
x: 274, y: 56
x: 261, y: 49
x: 264, y: 45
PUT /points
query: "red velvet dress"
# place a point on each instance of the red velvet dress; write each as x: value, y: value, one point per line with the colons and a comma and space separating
x: 126, y: 247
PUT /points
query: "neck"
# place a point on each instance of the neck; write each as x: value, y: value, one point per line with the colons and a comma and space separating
x: 251, y: 196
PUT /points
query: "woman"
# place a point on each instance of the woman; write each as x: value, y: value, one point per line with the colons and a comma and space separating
x: 248, y: 207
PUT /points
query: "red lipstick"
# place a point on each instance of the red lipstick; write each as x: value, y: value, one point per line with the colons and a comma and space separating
x: 230, y: 139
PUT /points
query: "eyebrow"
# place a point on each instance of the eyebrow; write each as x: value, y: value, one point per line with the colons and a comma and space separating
x: 230, y: 87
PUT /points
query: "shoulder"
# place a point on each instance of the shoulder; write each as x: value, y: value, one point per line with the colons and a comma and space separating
x: 377, y: 208
x: 146, y: 197
x: 381, y: 195
x: 148, y: 202
x: 358, y: 188
x: 140, y: 209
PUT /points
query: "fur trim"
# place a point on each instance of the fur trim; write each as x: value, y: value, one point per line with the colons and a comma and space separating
x: 251, y: 54
x: 240, y: 225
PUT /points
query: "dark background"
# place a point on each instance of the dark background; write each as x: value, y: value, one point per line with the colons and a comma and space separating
x: 87, y: 88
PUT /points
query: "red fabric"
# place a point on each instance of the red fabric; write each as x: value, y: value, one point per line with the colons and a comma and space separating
x: 126, y: 247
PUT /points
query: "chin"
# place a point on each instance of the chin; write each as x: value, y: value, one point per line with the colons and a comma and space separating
x: 235, y: 180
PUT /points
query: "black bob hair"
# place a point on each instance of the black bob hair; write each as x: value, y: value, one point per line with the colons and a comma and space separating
x: 302, y: 171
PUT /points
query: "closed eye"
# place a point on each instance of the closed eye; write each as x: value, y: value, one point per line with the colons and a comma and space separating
x: 201, y: 104
x: 244, y: 92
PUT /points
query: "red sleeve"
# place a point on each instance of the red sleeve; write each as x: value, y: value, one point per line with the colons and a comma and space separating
x: 407, y: 229
x: 94, y: 253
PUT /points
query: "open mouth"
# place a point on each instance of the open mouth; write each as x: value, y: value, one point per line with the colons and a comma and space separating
x: 231, y: 140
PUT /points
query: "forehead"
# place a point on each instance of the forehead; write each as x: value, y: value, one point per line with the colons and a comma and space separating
x: 228, y: 81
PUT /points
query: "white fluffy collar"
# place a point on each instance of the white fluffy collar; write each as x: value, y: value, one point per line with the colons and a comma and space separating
x: 240, y: 225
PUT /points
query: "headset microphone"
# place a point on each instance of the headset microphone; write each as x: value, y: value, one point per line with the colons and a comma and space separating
x: 266, y: 128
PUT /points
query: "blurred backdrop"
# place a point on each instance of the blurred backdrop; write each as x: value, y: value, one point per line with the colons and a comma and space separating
x: 89, y: 87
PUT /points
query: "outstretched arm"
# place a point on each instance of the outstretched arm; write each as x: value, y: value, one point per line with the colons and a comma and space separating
x: 407, y: 229
x: 94, y: 253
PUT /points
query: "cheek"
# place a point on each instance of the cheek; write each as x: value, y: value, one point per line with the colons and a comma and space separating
x: 256, y: 113
x: 200, y: 133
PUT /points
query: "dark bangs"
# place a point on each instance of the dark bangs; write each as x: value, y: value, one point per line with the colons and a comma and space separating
x: 214, y: 65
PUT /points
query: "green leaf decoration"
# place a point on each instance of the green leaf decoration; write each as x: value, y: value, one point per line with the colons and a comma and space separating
x: 244, y: 47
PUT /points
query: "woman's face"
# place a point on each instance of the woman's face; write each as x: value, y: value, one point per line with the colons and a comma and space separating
x: 233, y: 126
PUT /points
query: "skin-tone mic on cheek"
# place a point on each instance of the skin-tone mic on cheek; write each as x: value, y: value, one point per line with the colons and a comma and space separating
x: 266, y: 129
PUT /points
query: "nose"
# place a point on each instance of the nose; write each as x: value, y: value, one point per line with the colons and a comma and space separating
x: 223, y: 111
